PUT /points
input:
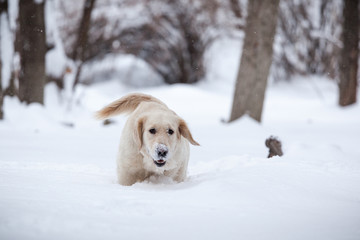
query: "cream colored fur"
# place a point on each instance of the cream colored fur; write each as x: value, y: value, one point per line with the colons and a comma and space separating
x: 139, y: 148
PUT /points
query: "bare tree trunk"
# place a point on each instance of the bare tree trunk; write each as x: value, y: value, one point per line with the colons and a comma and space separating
x: 32, y: 53
x: 1, y: 90
x: 349, y: 53
x: 256, y: 59
x: 235, y: 6
x: 3, y: 10
x: 82, y: 40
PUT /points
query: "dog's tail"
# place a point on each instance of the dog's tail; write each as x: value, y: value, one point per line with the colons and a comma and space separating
x: 125, y: 104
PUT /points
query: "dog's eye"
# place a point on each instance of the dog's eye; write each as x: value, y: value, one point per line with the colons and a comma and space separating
x: 170, y: 131
x: 152, y: 131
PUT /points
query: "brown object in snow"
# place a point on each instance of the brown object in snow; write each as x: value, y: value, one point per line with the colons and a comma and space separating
x: 274, y: 146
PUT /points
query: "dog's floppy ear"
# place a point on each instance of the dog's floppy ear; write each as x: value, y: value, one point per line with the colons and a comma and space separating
x: 185, y: 132
x: 138, y: 132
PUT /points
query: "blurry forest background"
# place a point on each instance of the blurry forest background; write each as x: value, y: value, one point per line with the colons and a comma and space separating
x: 80, y: 42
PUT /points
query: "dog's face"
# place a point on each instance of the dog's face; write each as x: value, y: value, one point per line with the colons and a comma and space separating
x: 158, y: 136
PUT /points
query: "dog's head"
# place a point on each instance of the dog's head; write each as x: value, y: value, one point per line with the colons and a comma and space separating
x: 158, y: 136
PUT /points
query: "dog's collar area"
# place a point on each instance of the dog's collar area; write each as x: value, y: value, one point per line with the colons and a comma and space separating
x: 159, y: 164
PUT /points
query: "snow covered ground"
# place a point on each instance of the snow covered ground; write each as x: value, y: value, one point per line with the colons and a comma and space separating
x: 59, y: 182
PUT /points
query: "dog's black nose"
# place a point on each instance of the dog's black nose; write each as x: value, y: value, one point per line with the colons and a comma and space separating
x: 162, y: 152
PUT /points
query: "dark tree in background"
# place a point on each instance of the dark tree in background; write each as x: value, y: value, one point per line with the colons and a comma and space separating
x: 256, y: 59
x: 235, y: 6
x: 82, y: 39
x: 32, y: 42
x: 349, y: 53
x: 1, y: 91
x: 3, y: 10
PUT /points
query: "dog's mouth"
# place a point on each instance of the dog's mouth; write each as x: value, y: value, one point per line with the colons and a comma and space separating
x: 159, y: 163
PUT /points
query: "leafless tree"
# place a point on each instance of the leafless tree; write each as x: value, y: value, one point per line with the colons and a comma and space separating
x: 32, y: 37
x: 82, y: 43
x: 255, y: 60
x: 349, y: 53
x: 3, y: 10
x: 1, y: 90
x: 235, y: 6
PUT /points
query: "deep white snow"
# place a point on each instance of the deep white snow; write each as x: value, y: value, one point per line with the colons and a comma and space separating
x: 59, y: 182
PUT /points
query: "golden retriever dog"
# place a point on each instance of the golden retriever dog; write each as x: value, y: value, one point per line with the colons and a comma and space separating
x: 154, y: 141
